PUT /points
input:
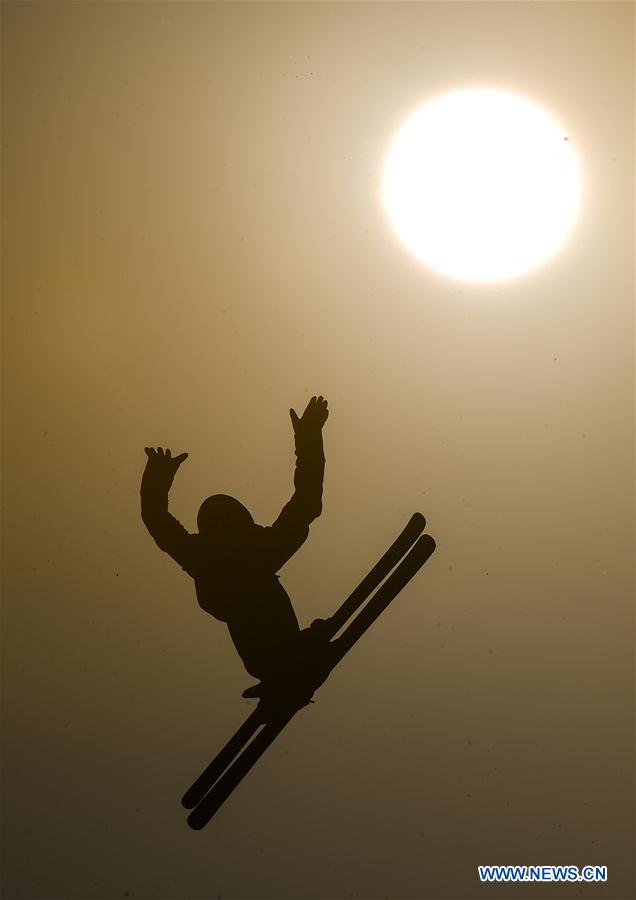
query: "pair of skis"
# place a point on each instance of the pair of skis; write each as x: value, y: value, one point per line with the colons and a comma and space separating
x: 406, y: 555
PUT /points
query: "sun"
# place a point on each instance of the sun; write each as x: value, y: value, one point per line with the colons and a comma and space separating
x: 482, y: 185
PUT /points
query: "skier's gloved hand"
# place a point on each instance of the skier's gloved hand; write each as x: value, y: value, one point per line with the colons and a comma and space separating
x: 161, y: 466
x: 310, y: 424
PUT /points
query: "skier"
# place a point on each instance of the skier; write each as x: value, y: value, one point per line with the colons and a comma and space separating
x: 234, y: 561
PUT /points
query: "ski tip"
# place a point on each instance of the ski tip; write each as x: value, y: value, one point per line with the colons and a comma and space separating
x: 429, y: 542
x: 423, y: 548
x: 195, y: 822
x: 418, y: 518
x: 187, y: 801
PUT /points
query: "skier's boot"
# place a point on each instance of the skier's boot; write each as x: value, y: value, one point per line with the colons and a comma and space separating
x: 320, y: 629
x: 254, y: 690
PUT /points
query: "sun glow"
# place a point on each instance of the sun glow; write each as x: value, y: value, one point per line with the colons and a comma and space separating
x: 482, y: 185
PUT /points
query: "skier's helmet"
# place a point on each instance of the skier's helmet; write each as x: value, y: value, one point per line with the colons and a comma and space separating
x: 223, y: 517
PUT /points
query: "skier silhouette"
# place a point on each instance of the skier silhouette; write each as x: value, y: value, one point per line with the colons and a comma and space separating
x: 234, y: 561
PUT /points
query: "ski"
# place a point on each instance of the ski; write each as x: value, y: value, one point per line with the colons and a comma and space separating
x: 224, y: 784
x: 222, y: 760
x: 400, y: 546
x: 208, y: 806
x: 420, y: 552
x: 398, y: 549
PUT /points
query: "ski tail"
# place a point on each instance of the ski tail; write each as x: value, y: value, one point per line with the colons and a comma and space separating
x: 398, y: 549
x: 230, y: 779
x: 222, y: 760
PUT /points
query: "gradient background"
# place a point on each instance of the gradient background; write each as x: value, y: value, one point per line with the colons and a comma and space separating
x: 194, y: 242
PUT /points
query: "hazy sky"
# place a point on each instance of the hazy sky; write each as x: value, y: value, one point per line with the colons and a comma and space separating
x: 193, y: 242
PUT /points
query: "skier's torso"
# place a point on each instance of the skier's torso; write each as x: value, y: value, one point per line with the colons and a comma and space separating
x: 239, y: 587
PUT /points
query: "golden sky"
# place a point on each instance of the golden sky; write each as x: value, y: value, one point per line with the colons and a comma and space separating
x: 193, y: 242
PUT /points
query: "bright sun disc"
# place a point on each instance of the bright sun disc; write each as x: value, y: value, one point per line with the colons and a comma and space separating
x: 482, y: 185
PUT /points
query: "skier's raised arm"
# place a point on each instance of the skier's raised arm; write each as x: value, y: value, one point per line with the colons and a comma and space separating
x: 291, y: 528
x: 310, y: 458
x: 168, y: 533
